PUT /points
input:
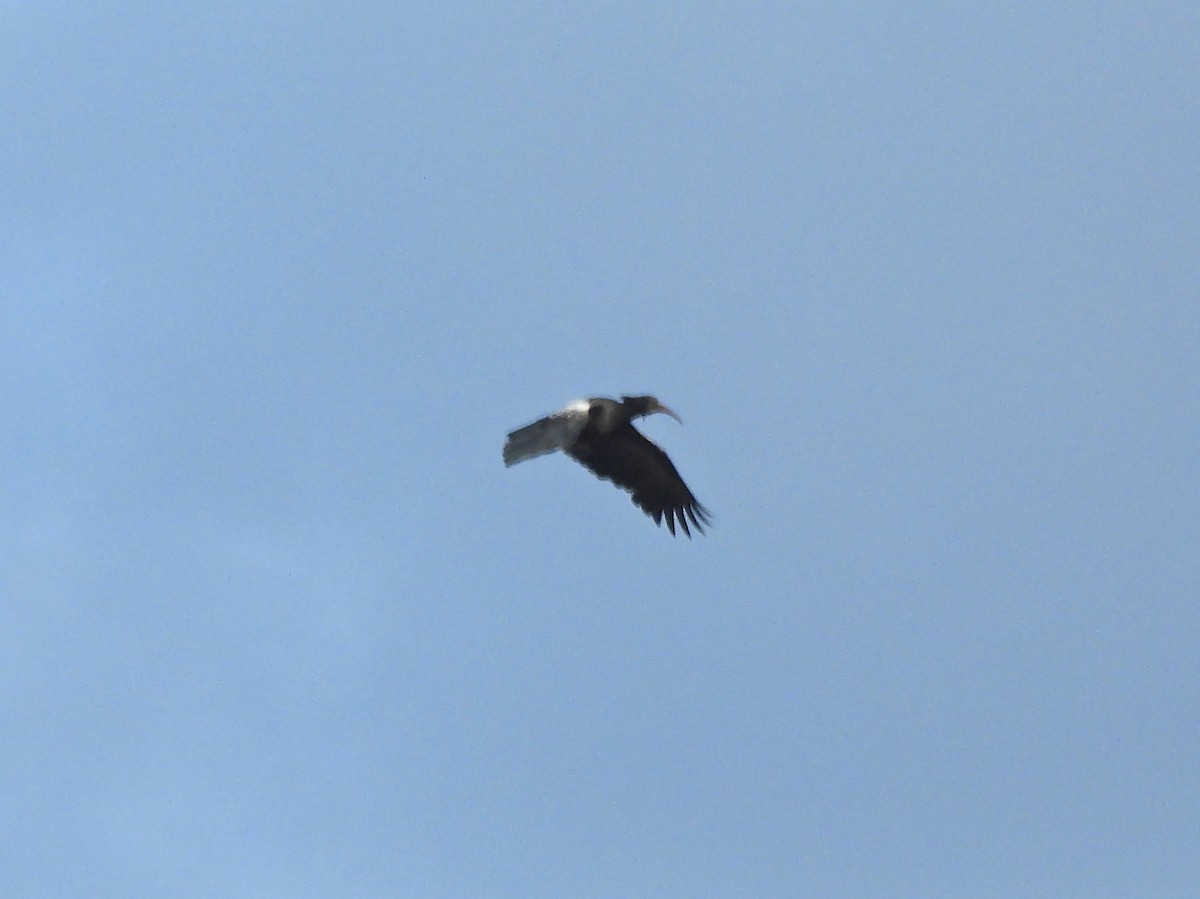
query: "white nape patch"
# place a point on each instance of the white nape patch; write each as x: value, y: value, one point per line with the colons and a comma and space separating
x: 576, y: 407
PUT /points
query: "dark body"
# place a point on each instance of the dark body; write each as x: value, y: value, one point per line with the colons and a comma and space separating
x: 612, y: 448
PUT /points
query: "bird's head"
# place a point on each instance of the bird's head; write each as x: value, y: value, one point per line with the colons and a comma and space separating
x: 648, y: 405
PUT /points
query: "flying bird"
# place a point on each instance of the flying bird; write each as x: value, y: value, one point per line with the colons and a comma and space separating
x: 599, y: 433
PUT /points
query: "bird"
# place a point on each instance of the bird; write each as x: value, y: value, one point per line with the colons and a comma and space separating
x: 598, y: 433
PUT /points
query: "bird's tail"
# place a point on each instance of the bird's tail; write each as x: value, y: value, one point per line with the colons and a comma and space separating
x: 544, y: 436
x: 529, y: 443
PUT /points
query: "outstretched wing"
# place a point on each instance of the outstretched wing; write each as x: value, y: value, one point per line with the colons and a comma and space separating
x: 554, y: 432
x: 631, y: 461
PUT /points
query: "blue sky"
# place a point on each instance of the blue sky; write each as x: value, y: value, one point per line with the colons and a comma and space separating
x: 921, y: 280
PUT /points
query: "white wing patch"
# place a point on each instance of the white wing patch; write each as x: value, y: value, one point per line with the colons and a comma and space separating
x: 546, y: 435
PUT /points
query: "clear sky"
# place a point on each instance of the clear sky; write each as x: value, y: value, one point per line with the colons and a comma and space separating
x: 923, y: 281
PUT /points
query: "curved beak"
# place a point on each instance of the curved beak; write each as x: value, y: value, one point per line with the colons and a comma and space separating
x: 665, y: 410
